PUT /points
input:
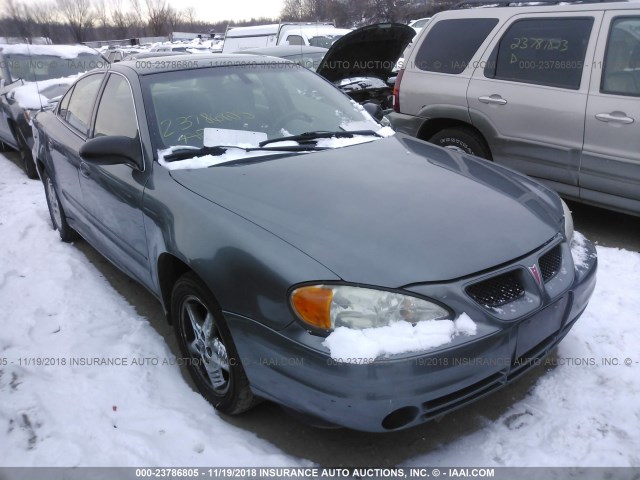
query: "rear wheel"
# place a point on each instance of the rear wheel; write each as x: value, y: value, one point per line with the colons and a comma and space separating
x: 462, y: 139
x: 207, y: 346
x: 58, y: 217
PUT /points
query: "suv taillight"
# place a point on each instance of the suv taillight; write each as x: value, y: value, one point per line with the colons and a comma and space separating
x: 396, y: 92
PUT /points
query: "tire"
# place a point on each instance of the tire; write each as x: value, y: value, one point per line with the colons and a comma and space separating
x: 27, y: 160
x: 207, y: 347
x: 462, y: 139
x: 58, y: 217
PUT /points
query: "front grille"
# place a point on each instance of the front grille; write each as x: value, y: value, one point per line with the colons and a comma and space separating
x: 550, y: 263
x: 497, y: 291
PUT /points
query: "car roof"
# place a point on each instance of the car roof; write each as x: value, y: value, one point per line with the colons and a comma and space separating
x: 505, y: 12
x: 191, y: 62
x: 284, y: 50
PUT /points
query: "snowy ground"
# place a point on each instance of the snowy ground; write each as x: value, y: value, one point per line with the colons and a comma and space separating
x: 54, y: 304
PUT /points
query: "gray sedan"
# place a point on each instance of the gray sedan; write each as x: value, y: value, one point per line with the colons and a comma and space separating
x: 304, y: 254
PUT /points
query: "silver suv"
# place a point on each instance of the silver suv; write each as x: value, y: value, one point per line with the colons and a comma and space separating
x: 553, y: 92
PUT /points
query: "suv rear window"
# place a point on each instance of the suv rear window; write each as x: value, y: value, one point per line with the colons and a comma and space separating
x: 450, y: 44
x: 542, y: 51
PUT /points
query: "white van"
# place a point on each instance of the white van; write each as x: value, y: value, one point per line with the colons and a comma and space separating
x: 260, y: 36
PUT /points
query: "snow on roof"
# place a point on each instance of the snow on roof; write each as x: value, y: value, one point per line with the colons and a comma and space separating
x: 271, y: 29
x: 30, y: 95
x: 62, y: 51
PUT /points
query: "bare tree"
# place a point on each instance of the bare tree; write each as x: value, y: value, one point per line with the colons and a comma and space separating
x: 189, y: 16
x: 158, y: 12
x: 44, y: 15
x: 174, y: 18
x: 102, y: 12
x: 20, y: 15
x: 79, y: 17
x: 292, y: 10
x: 119, y: 18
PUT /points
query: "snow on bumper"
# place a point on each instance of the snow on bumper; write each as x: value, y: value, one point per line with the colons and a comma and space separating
x: 294, y: 369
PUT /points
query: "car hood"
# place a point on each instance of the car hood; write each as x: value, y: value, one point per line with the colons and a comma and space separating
x: 368, y: 51
x: 391, y: 212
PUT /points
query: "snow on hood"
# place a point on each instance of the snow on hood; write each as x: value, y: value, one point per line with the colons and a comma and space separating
x: 232, y: 154
x: 32, y: 95
x: 62, y: 51
x: 349, y: 345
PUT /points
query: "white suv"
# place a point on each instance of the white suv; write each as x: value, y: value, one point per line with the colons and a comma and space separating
x: 553, y: 92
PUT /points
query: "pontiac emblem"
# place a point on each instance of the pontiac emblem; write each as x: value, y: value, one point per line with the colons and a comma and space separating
x: 536, y: 274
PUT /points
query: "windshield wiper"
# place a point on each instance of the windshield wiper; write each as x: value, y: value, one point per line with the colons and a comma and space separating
x: 311, y: 136
x: 186, y: 153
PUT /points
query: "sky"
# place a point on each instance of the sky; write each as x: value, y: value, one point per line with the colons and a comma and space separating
x: 232, y: 10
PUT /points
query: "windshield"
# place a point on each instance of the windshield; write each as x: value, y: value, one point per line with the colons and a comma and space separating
x: 324, y: 41
x: 307, y: 60
x: 46, y: 67
x: 243, y: 105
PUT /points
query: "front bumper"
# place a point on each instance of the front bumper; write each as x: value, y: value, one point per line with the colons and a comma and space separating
x: 294, y: 369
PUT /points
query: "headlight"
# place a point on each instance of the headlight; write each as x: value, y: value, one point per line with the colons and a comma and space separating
x: 330, y: 306
x: 568, y: 221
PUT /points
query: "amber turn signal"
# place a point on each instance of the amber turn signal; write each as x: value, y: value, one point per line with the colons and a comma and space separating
x: 313, y: 305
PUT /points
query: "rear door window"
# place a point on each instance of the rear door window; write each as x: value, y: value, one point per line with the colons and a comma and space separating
x: 542, y: 51
x: 83, y: 97
x: 450, y: 44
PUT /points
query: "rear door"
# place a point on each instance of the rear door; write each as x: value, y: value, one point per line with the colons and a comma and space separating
x: 65, y: 137
x: 610, y: 166
x: 530, y: 96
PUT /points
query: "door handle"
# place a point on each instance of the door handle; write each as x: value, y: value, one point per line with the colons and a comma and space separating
x: 85, y: 170
x: 493, y: 99
x: 615, y: 117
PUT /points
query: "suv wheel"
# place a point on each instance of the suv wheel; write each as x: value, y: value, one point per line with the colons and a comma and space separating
x: 463, y: 140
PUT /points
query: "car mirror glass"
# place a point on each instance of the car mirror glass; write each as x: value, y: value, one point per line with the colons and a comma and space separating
x: 374, y: 110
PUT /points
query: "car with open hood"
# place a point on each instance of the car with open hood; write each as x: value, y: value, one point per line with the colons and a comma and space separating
x: 304, y: 253
x: 33, y: 77
x: 359, y: 63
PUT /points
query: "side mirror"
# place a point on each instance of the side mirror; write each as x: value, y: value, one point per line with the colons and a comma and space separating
x: 113, y: 150
x: 374, y: 110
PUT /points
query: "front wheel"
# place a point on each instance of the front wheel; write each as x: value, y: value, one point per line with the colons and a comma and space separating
x: 58, y: 217
x: 206, y: 344
x: 462, y: 139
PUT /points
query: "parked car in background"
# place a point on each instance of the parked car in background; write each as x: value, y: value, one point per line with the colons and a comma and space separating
x: 308, y: 57
x: 32, y: 77
x: 551, y: 91
x: 118, y: 54
x: 360, y: 63
x: 419, y: 24
x: 147, y: 54
x: 310, y: 34
x: 278, y: 223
